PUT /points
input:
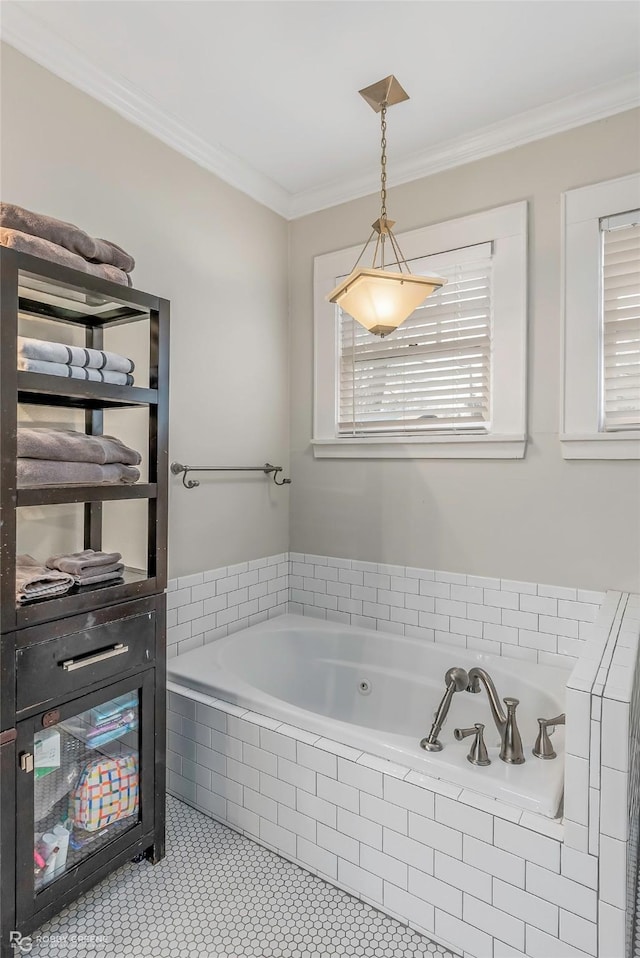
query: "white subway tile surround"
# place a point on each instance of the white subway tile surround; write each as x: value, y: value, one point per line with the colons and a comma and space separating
x: 494, y: 880
x: 538, y: 623
x: 209, y: 605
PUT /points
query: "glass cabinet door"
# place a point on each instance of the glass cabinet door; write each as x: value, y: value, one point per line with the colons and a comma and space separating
x: 84, y: 771
x: 86, y: 785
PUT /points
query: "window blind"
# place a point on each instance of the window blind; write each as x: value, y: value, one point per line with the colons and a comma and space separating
x: 434, y: 372
x: 621, y: 321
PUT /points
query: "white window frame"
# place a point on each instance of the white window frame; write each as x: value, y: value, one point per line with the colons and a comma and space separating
x: 582, y: 210
x: 506, y: 228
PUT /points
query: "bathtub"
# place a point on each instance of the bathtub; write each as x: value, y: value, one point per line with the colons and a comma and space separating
x: 377, y: 693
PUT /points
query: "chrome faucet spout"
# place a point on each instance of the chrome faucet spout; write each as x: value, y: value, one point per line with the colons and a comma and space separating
x: 511, y: 750
x: 477, y: 675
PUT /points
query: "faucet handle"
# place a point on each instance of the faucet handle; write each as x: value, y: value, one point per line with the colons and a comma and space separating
x: 511, y: 750
x: 557, y: 720
x: 478, y: 754
x: 543, y: 747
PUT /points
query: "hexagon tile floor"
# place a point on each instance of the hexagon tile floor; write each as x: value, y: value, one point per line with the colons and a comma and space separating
x: 218, y: 893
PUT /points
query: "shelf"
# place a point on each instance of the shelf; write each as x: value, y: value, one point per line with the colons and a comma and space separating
x: 38, y: 389
x: 49, y: 291
x: 55, y: 495
x: 85, y: 598
x: 115, y: 316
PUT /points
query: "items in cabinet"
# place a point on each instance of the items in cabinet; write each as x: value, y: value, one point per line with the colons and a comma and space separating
x: 63, y: 243
x: 53, y: 472
x: 48, y: 456
x: 35, y: 581
x: 35, y: 246
x: 54, y: 787
x: 105, y: 723
x: 74, y: 362
x: 89, y: 567
x: 46, y: 752
x: 61, y: 354
x: 112, y: 720
x: 107, y: 791
x: 50, y: 854
x: 75, y: 372
x: 91, y: 783
x: 67, y: 445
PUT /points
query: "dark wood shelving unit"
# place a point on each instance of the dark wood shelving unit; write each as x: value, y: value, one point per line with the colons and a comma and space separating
x: 44, y: 390
x: 56, y: 495
x: 135, y: 582
x: 114, y: 631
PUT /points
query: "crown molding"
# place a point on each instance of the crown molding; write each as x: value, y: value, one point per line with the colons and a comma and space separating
x: 556, y: 117
x: 23, y: 30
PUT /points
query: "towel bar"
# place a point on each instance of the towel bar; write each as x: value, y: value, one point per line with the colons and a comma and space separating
x: 267, y: 469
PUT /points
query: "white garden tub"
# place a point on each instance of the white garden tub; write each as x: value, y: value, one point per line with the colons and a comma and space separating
x: 378, y: 693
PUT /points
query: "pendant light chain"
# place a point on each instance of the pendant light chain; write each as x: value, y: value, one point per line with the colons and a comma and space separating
x: 383, y: 179
x: 383, y: 161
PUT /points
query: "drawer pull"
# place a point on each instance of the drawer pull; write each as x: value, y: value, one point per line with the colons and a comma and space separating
x: 72, y: 664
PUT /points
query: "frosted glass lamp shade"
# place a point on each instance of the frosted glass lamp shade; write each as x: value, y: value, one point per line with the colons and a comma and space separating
x: 379, y: 300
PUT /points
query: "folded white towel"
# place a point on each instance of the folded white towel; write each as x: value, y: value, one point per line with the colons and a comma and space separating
x: 75, y: 372
x: 40, y: 349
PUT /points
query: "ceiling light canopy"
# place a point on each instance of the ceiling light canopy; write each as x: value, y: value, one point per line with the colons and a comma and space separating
x: 381, y: 299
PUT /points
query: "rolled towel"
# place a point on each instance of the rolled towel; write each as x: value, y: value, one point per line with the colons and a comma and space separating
x: 67, y: 445
x: 35, y: 246
x: 66, y: 235
x: 87, y: 562
x: 47, y: 472
x: 75, y: 372
x: 34, y: 581
x: 73, y: 355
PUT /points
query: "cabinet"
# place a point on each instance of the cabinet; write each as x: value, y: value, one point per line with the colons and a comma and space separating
x: 82, y: 675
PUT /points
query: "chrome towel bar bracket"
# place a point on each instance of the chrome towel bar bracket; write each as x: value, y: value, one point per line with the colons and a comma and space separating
x: 267, y: 469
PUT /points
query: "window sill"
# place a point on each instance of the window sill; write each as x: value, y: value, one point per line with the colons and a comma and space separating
x: 606, y: 445
x: 421, y: 447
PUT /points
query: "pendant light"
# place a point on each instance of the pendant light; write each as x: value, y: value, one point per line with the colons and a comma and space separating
x: 378, y: 298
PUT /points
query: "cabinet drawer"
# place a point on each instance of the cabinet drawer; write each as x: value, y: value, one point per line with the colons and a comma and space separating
x: 57, y: 667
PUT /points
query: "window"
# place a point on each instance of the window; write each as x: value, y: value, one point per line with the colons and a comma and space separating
x: 601, y: 361
x: 434, y: 372
x: 450, y: 382
x: 620, y: 353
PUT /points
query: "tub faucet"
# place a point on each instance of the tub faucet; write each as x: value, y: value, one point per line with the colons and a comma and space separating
x: 456, y: 680
x: 511, y: 750
x: 543, y: 747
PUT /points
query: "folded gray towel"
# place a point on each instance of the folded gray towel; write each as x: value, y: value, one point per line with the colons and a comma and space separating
x: 87, y: 562
x: 74, y: 372
x: 99, y: 577
x: 47, y: 352
x: 69, y: 446
x: 34, y: 581
x: 47, y: 472
x: 35, y: 246
x: 65, y: 234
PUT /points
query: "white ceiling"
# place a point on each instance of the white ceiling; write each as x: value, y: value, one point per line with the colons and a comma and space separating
x: 265, y: 93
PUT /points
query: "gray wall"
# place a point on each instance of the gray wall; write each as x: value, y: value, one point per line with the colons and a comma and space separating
x: 221, y: 259
x: 541, y: 519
